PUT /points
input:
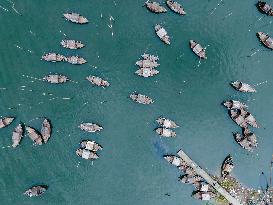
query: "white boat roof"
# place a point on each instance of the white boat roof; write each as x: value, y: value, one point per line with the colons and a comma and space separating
x: 161, y: 32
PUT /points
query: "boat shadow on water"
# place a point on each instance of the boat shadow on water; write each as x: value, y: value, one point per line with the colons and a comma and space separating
x: 160, y: 148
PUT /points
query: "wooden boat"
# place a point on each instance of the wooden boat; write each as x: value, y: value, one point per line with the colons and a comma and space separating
x: 46, y: 130
x: 141, y: 99
x: 204, y: 196
x: 162, y: 34
x: 227, y: 166
x: 147, y: 63
x: 165, y: 132
x: 251, y: 137
x: 233, y: 104
x: 243, y: 87
x: 198, y: 49
x: 75, y: 18
x: 34, y: 135
x: 186, y: 179
x: 17, y: 135
x: 167, y: 123
x: 150, y: 57
x: 72, y: 44
x: 55, y: 78
x: 249, y: 118
x: 98, y: 81
x: 176, y: 7
x: 174, y: 160
x: 265, y: 8
x: 36, y: 190
x: 90, y: 145
x: 155, y: 7
x: 265, y: 39
x: 75, y: 60
x: 4, y: 122
x: 53, y: 57
x: 238, y: 118
x: 90, y: 127
x: 244, y: 142
x: 146, y: 72
x: 187, y: 170
x: 86, y: 154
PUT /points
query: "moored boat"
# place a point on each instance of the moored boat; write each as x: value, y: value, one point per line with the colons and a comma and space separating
x: 72, y: 44
x: 198, y: 49
x: 142, y: 99
x: 53, y: 57
x: 146, y: 72
x: 75, y: 18
x: 165, y: 132
x: 176, y: 7
x: 90, y: 145
x: 98, y: 81
x: 75, y: 60
x: 90, y: 127
x: 86, y: 154
x: 265, y: 8
x: 34, y: 135
x: 4, y: 122
x: 174, y: 160
x: 149, y: 57
x: 243, y: 87
x: 46, y: 130
x: 55, y: 78
x: 36, y: 190
x: 187, y: 170
x: 244, y: 142
x: 234, y: 104
x: 17, y: 135
x: 155, y: 7
x: 265, y: 39
x: 204, y: 196
x: 167, y: 123
x: 191, y: 179
x: 238, y: 118
x: 250, y: 119
x: 147, y: 63
x: 162, y: 34
x: 227, y: 166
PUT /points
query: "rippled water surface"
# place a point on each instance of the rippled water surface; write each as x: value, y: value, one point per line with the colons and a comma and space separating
x: 131, y: 169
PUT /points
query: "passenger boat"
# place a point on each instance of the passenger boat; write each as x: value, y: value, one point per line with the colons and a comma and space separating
x: 162, y: 34
x: 198, y: 49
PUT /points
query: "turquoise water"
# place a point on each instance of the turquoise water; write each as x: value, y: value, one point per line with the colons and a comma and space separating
x: 131, y: 169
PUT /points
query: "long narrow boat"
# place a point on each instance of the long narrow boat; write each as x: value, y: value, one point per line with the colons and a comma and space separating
x: 17, y: 135
x: 46, y: 130
x: 72, y: 44
x: 34, y: 135
x: 86, y: 154
x: 36, y: 190
x: 75, y: 60
x: 243, y: 87
x: 75, y: 18
x: 147, y: 63
x: 265, y: 39
x: 90, y: 145
x: 98, y: 81
x: 167, y: 123
x: 146, y: 72
x: 53, y: 57
x: 244, y: 142
x: 90, y: 127
x: 234, y: 104
x: 227, y: 166
x: 164, y: 132
x: 198, y: 49
x: 155, y: 7
x: 4, y: 122
x: 141, y: 99
x: 238, y: 118
x: 162, y: 34
x: 176, y: 7
x: 56, y: 78
x: 265, y: 8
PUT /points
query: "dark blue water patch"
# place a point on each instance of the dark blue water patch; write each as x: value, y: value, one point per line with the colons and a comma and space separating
x: 160, y: 147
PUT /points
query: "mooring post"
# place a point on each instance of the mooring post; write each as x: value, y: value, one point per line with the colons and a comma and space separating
x: 207, y: 177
